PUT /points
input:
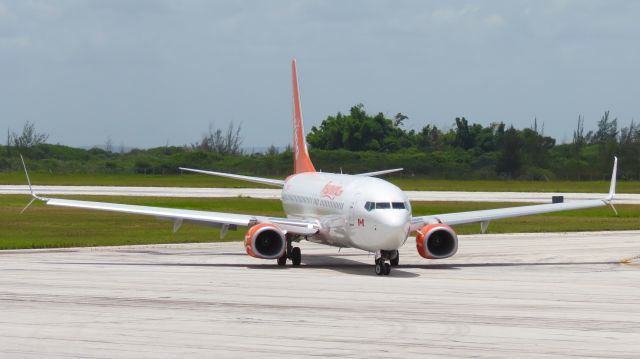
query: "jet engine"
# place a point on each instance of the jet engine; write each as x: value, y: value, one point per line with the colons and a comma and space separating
x: 265, y: 241
x: 437, y: 241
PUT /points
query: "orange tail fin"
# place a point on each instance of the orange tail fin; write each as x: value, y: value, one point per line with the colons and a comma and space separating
x: 301, y: 161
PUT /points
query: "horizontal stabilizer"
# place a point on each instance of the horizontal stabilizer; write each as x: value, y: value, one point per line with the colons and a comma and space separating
x: 378, y: 173
x: 267, y: 181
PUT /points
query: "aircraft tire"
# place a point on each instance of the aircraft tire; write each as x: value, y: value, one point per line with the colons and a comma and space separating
x: 282, y: 261
x: 387, y: 269
x: 296, y: 256
x: 379, y: 268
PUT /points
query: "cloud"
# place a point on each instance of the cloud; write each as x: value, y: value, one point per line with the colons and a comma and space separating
x: 448, y: 15
x: 494, y: 20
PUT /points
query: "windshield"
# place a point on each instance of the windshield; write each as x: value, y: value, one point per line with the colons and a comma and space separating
x: 370, y: 206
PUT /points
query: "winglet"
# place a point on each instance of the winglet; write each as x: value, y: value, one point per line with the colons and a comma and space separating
x: 33, y: 194
x: 612, y: 188
x: 26, y: 173
x: 614, y: 175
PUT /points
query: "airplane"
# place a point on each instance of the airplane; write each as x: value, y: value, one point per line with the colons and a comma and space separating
x: 342, y: 210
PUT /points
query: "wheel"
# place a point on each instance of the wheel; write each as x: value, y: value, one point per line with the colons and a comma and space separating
x: 282, y: 261
x: 296, y: 256
x: 387, y: 269
x: 379, y: 268
x: 395, y: 261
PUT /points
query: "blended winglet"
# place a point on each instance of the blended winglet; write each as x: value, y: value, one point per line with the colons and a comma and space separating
x: 33, y: 194
x: 614, y: 175
x: 26, y: 173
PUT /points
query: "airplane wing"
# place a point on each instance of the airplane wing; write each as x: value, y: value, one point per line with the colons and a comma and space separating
x: 378, y: 173
x: 261, y: 180
x: 179, y: 216
x: 492, y: 214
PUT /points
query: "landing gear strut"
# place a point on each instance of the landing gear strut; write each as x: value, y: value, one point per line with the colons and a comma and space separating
x: 395, y: 261
x: 292, y: 253
x: 382, y: 267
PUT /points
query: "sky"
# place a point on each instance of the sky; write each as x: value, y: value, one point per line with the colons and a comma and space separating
x: 145, y: 73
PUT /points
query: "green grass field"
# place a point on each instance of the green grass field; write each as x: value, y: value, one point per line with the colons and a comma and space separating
x: 43, y: 226
x: 43, y: 178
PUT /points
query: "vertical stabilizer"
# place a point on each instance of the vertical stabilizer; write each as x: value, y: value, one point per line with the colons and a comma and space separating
x: 301, y: 161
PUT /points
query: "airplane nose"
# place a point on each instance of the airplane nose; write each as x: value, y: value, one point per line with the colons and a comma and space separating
x: 396, y: 228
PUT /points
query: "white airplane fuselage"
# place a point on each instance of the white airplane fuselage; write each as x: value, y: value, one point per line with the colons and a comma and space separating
x: 353, y: 211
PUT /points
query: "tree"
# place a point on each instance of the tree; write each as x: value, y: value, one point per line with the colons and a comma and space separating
x: 227, y: 143
x: 464, y: 139
x: 398, y: 120
x: 29, y: 137
x: 359, y: 131
x: 579, y: 138
x: 510, y: 160
x: 607, y: 131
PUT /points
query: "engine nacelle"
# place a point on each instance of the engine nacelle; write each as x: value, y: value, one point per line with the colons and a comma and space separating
x: 265, y: 241
x: 437, y: 241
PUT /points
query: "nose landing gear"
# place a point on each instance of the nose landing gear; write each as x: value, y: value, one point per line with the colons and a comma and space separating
x: 382, y: 267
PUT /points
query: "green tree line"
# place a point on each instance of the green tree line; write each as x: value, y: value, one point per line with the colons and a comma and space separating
x: 361, y: 142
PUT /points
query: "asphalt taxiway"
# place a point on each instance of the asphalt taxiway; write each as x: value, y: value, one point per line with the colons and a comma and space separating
x: 268, y: 193
x: 552, y: 294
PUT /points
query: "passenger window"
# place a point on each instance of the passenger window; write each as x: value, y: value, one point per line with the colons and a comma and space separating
x: 398, y: 205
x: 383, y: 205
x: 369, y: 206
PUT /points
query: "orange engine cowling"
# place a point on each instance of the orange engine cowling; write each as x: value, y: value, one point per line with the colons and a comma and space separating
x: 437, y: 241
x: 265, y: 241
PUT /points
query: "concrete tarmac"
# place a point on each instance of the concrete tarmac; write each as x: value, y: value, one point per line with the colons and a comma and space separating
x: 268, y: 193
x: 518, y: 295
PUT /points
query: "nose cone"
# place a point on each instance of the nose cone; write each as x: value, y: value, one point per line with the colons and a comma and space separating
x: 394, y: 228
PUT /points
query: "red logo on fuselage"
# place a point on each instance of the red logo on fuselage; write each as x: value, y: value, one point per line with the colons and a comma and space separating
x: 361, y: 222
x: 331, y: 191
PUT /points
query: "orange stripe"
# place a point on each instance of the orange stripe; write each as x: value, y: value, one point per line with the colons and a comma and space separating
x: 301, y: 160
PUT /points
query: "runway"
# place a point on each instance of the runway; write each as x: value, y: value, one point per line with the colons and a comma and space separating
x: 267, y: 193
x: 552, y: 295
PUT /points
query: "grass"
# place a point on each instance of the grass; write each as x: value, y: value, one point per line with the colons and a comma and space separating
x: 418, y: 184
x: 43, y: 226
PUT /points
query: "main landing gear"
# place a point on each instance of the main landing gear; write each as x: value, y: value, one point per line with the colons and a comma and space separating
x: 292, y: 253
x: 382, y: 267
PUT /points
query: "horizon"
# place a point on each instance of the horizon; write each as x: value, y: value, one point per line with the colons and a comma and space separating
x: 146, y: 72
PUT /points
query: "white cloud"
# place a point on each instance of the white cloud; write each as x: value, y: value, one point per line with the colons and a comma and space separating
x: 448, y: 15
x: 494, y: 20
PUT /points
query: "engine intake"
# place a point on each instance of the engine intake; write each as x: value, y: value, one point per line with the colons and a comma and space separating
x: 265, y: 241
x: 437, y: 241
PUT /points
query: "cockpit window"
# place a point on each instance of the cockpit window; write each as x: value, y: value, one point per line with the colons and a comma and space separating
x: 383, y: 205
x: 397, y: 205
x: 370, y: 206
